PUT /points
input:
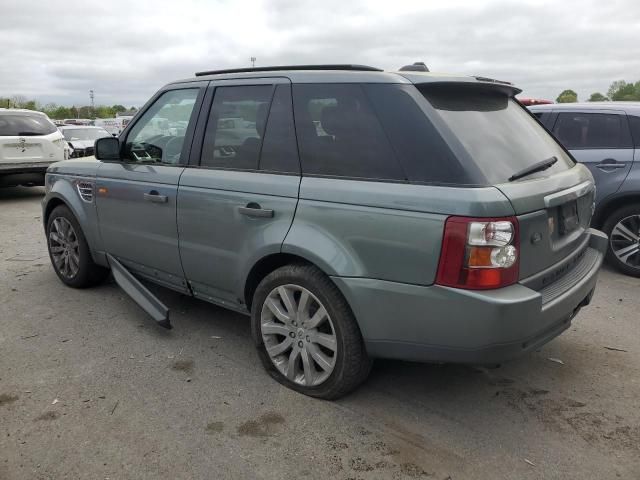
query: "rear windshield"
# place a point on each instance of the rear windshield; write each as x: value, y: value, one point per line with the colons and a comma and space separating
x: 498, y: 134
x: 25, y: 125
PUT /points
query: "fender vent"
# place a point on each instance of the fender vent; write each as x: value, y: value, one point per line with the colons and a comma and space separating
x: 85, y: 190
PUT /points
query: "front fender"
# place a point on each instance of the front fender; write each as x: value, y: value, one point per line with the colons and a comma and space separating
x: 62, y: 189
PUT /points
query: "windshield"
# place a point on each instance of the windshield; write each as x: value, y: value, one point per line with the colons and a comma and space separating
x: 25, y: 125
x: 499, y: 135
x: 71, y: 134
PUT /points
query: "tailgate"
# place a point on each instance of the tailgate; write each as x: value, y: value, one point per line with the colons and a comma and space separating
x: 17, y: 149
x: 554, y: 214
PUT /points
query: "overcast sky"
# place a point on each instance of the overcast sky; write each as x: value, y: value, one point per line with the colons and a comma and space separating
x: 125, y: 50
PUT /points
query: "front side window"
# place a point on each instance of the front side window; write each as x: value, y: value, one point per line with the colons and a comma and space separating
x: 236, y: 126
x: 592, y: 130
x: 158, y: 136
x: 340, y: 135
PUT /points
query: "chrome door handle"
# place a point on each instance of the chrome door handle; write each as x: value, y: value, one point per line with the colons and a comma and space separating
x: 253, y: 209
x: 155, y: 197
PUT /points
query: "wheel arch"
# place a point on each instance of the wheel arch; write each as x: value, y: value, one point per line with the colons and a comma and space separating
x: 265, y: 266
x: 610, y: 205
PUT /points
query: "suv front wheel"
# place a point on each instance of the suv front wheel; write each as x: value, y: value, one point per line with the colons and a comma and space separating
x: 69, y: 251
x: 306, y: 334
x: 623, y: 228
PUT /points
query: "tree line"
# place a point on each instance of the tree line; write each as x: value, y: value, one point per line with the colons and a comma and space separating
x: 618, y: 91
x: 60, y: 112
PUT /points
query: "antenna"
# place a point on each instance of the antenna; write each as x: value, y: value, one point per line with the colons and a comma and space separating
x: 253, y: 62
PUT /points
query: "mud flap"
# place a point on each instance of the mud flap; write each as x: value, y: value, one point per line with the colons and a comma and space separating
x: 139, y: 293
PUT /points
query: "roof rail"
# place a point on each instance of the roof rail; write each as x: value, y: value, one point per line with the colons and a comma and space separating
x: 360, y: 68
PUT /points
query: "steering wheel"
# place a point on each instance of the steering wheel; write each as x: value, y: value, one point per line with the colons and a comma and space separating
x: 172, y: 150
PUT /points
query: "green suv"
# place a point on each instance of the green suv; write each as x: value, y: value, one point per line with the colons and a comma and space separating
x: 352, y: 213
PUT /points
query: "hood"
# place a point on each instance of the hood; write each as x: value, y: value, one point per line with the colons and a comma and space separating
x: 81, y: 144
x: 85, y: 166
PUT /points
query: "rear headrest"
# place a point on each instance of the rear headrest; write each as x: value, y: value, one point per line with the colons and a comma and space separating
x: 336, y: 119
x: 261, y: 118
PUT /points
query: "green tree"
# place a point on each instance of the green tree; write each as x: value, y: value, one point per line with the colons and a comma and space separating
x: 567, y: 96
x: 597, y: 97
x: 614, y: 87
x: 119, y: 108
x: 623, y: 91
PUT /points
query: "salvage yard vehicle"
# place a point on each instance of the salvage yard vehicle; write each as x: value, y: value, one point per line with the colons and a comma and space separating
x: 367, y: 214
x: 29, y: 143
x: 81, y: 139
x: 605, y: 137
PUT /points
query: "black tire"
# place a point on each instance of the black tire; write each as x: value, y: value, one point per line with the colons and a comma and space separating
x: 352, y: 364
x: 89, y: 273
x: 609, y: 225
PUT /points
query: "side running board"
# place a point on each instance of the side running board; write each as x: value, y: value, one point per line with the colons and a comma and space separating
x: 139, y: 293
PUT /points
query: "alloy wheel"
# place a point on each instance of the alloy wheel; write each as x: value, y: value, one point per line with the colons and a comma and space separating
x: 625, y: 241
x: 64, y: 247
x: 298, y: 334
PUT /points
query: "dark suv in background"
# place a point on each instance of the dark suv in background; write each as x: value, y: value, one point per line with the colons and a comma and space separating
x: 605, y: 136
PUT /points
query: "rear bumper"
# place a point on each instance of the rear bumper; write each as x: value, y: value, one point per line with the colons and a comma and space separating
x: 442, y: 324
x: 12, y: 174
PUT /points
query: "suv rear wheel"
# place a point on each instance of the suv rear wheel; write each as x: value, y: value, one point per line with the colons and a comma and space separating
x: 623, y: 228
x: 306, y: 334
x: 69, y: 251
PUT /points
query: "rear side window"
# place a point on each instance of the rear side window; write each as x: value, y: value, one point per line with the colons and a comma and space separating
x: 592, y: 130
x: 340, y: 135
x: 25, y: 125
x: 236, y: 126
x: 634, y: 122
x: 499, y: 135
x: 421, y: 150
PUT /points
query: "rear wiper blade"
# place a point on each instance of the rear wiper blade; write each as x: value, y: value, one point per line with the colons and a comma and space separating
x: 536, y: 167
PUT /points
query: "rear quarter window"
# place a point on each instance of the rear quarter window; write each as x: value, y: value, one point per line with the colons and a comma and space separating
x: 340, y: 135
x: 25, y: 125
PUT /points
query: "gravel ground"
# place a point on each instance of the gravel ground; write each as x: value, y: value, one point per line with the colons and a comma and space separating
x: 90, y: 388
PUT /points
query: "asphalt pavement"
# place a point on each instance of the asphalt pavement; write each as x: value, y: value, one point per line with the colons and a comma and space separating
x: 91, y: 388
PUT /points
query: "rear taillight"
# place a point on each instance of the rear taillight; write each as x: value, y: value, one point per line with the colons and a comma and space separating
x: 479, y: 253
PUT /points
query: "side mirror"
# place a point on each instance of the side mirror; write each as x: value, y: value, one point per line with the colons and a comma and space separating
x: 108, y: 149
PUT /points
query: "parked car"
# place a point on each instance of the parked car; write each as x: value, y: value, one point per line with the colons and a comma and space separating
x: 29, y: 143
x: 533, y: 101
x: 430, y: 218
x: 82, y: 138
x: 114, y: 126
x: 605, y: 136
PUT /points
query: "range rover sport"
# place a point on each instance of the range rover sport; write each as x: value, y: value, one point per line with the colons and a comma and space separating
x: 352, y: 213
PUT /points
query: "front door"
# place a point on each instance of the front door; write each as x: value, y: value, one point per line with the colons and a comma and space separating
x: 136, y: 197
x: 237, y: 205
x: 602, y: 142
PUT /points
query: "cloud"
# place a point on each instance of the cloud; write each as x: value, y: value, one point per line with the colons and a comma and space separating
x: 126, y: 50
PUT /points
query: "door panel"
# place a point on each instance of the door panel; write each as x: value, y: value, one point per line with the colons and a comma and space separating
x: 136, y: 197
x: 137, y: 230
x: 601, y: 140
x: 219, y: 242
x: 609, y: 168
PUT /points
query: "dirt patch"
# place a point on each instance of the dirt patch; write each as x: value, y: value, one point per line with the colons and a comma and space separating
x: 6, y: 399
x: 566, y: 415
x: 264, y: 426
x: 183, y: 366
x: 412, y: 470
x: 359, y: 464
x: 47, y: 416
x: 214, y: 427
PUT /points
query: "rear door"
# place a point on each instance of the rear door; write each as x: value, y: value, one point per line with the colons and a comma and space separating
x: 601, y: 141
x: 237, y: 198
x: 136, y: 197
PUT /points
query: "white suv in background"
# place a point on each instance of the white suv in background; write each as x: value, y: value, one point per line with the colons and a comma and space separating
x: 29, y: 143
